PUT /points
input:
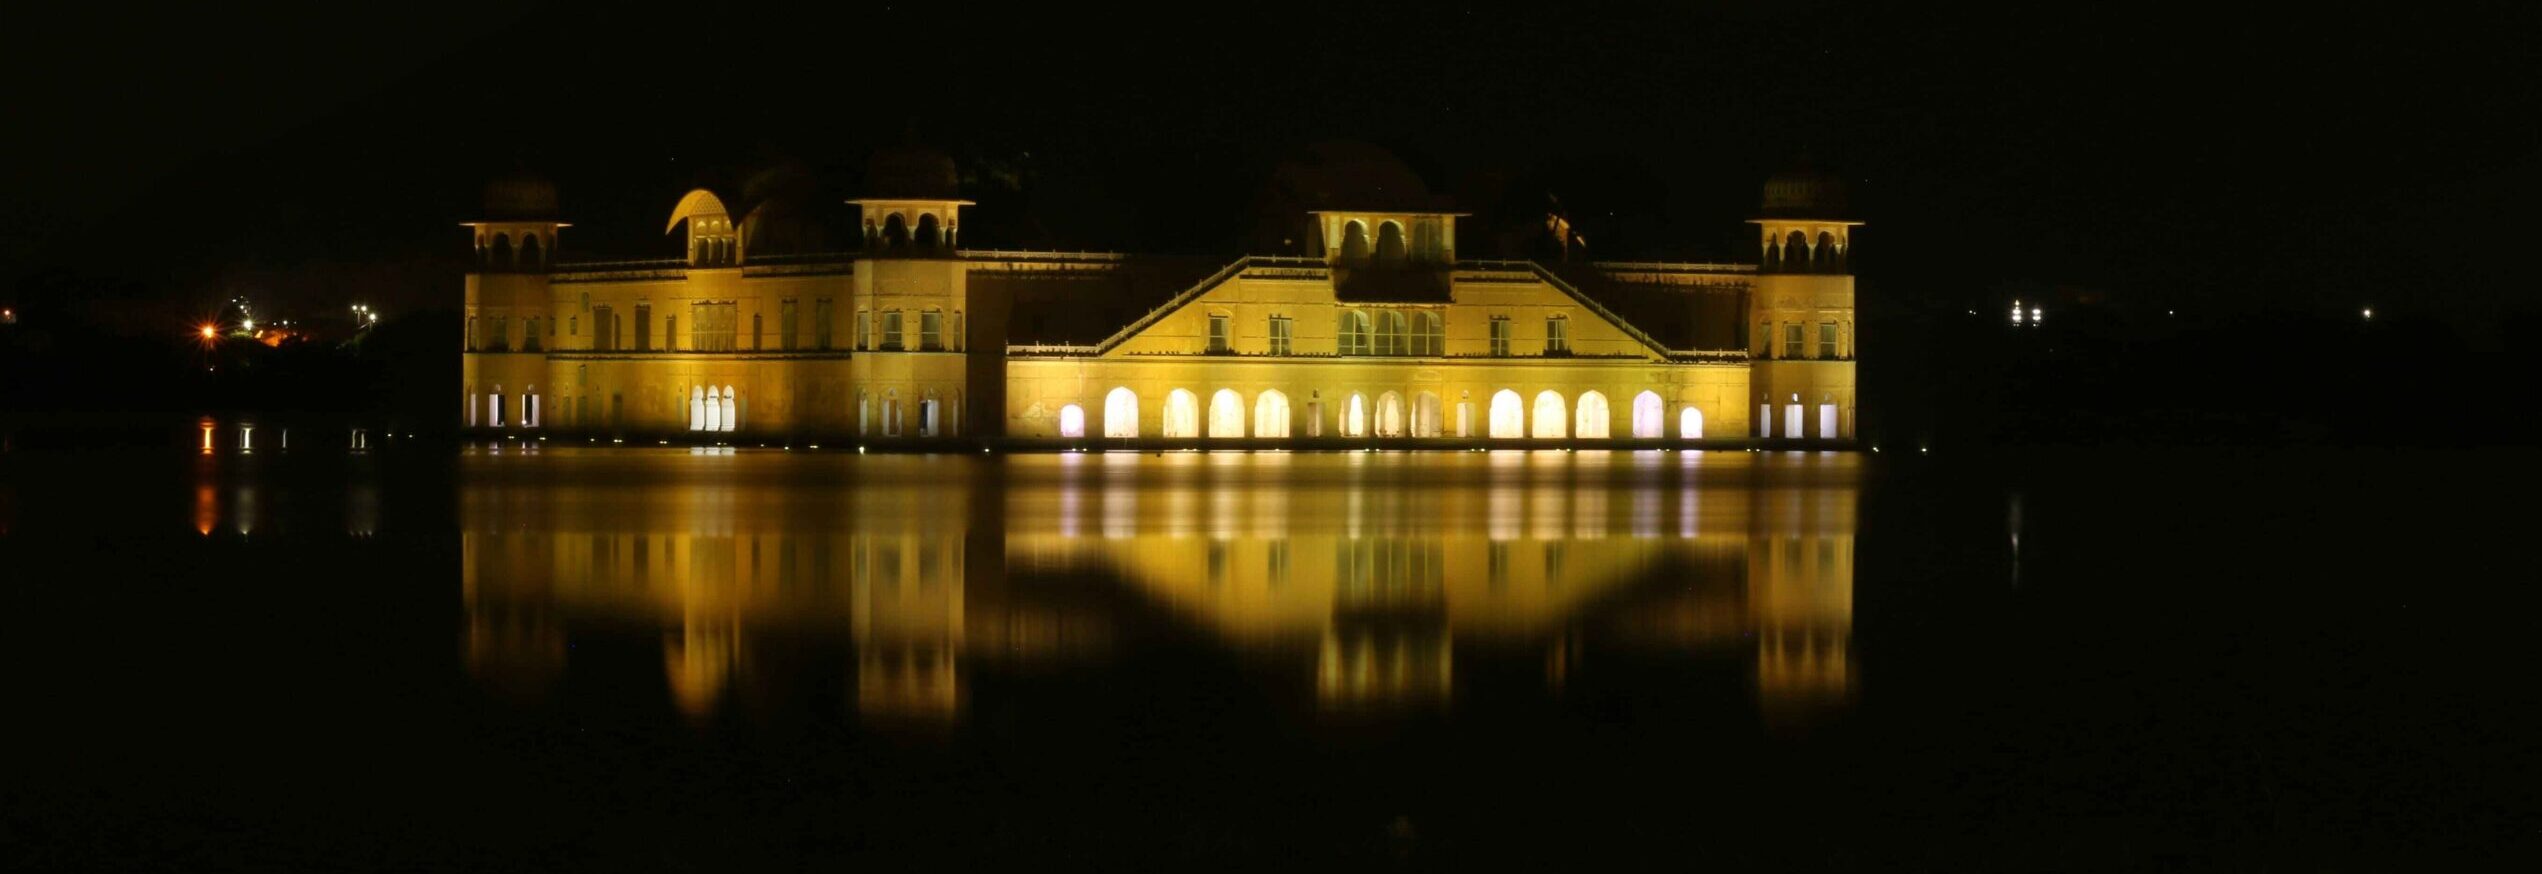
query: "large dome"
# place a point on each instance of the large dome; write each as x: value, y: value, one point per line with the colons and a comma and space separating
x: 520, y: 196
x: 911, y: 173
x: 1804, y: 193
x: 1352, y: 175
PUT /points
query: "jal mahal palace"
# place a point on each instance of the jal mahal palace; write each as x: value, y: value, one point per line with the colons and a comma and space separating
x: 1371, y: 331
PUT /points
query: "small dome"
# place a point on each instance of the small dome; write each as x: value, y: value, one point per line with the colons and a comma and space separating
x: 1804, y: 194
x: 911, y: 173
x: 520, y: 196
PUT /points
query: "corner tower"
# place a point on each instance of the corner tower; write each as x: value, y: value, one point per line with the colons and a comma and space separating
x: 913, y: 376
x: 508, y: 318
x: 1802, y: 311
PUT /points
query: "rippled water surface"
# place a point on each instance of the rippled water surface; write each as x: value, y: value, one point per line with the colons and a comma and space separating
x: 674, y: 658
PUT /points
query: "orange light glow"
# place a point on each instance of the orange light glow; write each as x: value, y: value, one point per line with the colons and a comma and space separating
x: 208, y: 332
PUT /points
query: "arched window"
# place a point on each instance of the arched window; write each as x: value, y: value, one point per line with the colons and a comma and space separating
x: 1429, y: 334
x: 696, y: 408
x: 1354, y: 243
x: 500, y: 254
x: 1773, y: 258
x: 929, y: 235
x: 1425, y: 415
x: 1271, y: 415
x: 1551, y: 415
x: 1182, y: 414
x: 1072, y: 421
x: 714, y: 408
x: 732, y: 415
x: 1390, y: 245
x: 529, y: 250
x: 1355, y: 416
x: 1509, y: 416
x: 1121, y: 413
x: 1796, y: 252
x: 1826, y: 262
x: 1390, y: 338
x: 930, y: 414
x: 895, y: 232
x: 1354, y: 333
x: 1649, y: 416
x: 1226, y: 415
x: 1390, y: 415
x: 1690, y: 423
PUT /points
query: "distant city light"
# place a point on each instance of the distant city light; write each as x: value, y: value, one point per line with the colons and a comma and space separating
x: 2025, y: 316
x: 247, y: 324
x: 2369, y: 314
x: 209, y: 331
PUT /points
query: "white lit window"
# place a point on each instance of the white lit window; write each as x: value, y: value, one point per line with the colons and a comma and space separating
x: 1279, y: 335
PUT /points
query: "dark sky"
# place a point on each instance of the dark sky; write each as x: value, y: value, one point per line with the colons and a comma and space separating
x: 2216, y: 159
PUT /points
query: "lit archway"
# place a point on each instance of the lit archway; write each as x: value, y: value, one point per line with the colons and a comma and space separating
x: 1354, y: 243
x: 1425, y: 415
x: 1072, y: 421
x: 1690, y: 423
x: 1355, y: 416
x: 1593, y: 417
x: 1649, y: 416
x: 1271, y: 415
x: 1792, y: 419
x: 1226, y: 415
x: 1550, y: 414
x: 711, y: 416
x: 1121, y: 413
x: 1182, y: 414
x: 1390, y: 415
x: 1509, y: 416
x: 732, y: 417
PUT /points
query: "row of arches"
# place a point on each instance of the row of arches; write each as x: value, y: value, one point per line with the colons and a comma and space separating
x: 1392, y: 332
x: 713, y: 409
x: 504, y: 411
x: 1388, y: 251
x: 897, y: 231
x: 1794, y: 420
x: 883, y: 414
x: 497, y: 250
x: 1797, y: 254
x: 1389, y: 415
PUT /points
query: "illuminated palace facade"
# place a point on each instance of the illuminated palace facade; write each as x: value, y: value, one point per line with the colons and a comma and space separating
x: 1377, y: 332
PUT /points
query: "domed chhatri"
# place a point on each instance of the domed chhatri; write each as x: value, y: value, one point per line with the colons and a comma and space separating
x: 520, y: 196
x: 911, y: 173
x: 1804, y: 193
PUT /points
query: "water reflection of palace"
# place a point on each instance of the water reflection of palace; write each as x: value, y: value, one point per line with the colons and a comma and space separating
x: 1358, y: 581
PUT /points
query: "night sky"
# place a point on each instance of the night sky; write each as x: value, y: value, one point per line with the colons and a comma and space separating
x: 164, y: 161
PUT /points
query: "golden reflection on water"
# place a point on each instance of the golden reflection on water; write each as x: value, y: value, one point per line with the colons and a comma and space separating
x: 1368, y: 581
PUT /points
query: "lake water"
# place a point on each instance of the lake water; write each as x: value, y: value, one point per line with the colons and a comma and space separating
x: 577, y: 657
